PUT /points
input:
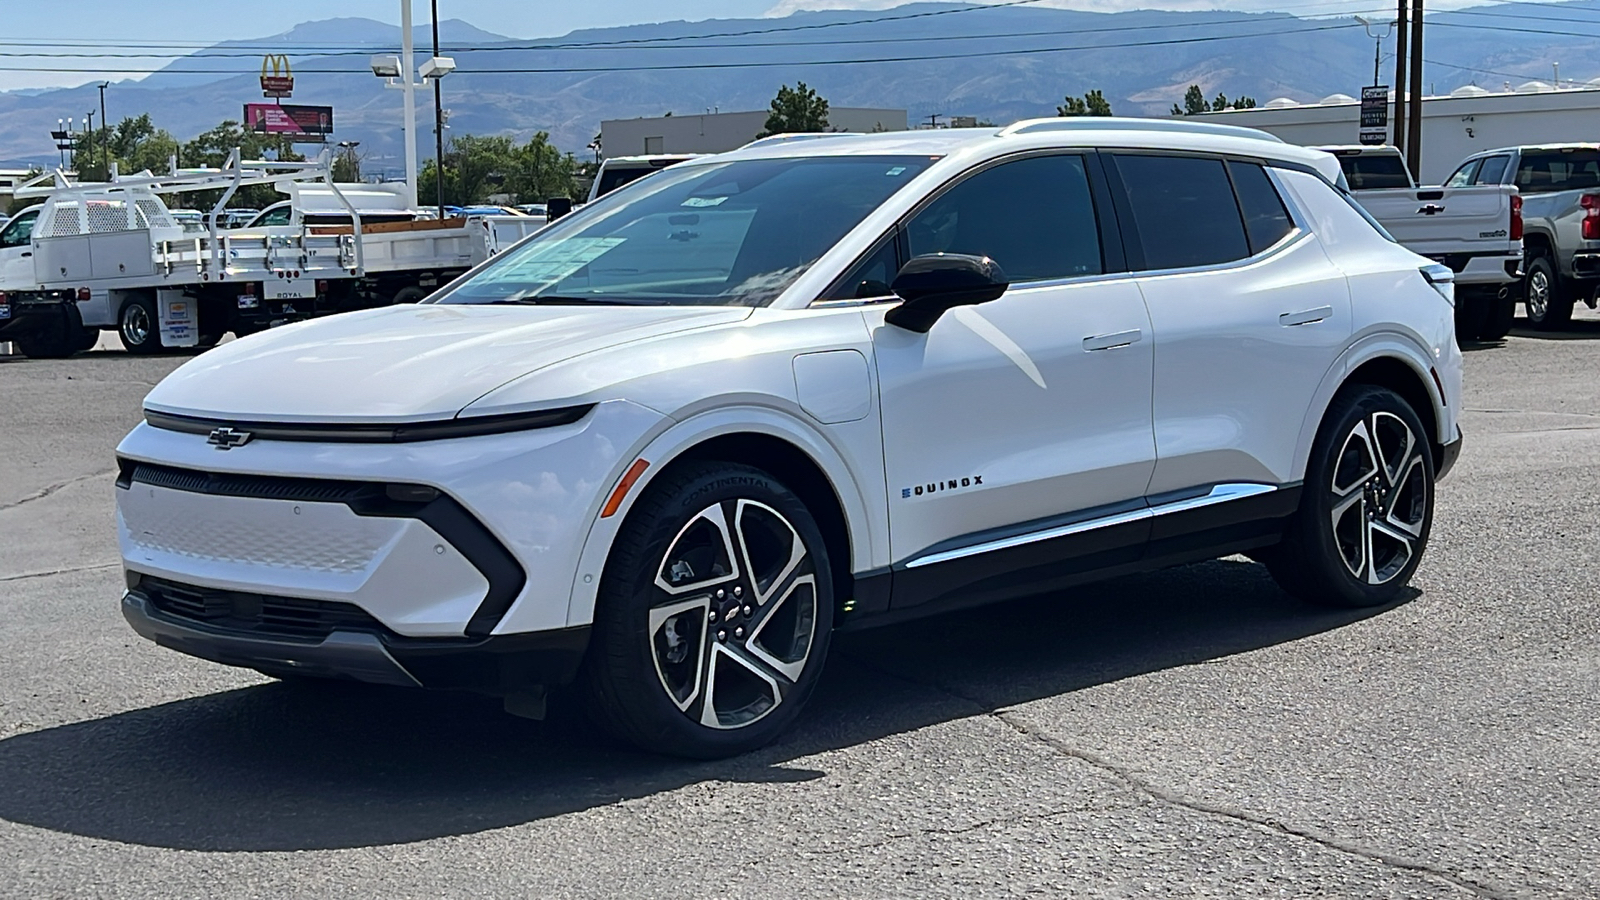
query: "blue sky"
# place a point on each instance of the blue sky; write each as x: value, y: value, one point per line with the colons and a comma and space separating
x: 115, y: 24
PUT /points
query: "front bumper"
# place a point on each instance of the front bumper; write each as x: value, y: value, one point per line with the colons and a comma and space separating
x: 499, y: 666
x: 1448, y: 455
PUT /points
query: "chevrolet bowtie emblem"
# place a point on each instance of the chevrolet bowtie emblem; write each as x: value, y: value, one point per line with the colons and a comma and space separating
x: 226, y: 438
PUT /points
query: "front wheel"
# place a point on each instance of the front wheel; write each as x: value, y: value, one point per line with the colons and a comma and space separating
x: 714, y: 614
x: 1367, y: 506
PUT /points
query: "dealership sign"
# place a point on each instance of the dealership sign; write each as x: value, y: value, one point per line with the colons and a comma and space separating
x: 1375, y: 114
x: 277, y: 79
x: 308, y: 123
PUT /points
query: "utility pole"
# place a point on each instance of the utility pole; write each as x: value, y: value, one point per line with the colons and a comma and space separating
x: 1414, y: 146
x: 105, y: 123
x: 1400, y: 45
x: 438, y: 121
x: 408, y: 71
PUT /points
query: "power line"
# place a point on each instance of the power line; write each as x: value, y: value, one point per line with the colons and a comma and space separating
x: 556, y: 70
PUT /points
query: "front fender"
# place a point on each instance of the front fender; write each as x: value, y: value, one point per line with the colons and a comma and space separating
x: 859, y: 492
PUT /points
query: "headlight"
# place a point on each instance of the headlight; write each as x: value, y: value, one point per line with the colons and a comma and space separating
x: 1443, y: 281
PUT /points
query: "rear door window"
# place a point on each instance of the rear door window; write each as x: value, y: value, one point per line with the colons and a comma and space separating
x: 1033, y: 216
x: 1493, y: 171
x: 1266, y: 220
x: 1183, y: 210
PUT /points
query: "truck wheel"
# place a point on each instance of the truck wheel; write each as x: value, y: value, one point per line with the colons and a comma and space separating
x: 410, y: 295
x: 1497, y: 324
x: 61, y: 337
x: 714, y: 614
x: 139, y: 326
x: 1367, y: 506
x: 1548, y: 303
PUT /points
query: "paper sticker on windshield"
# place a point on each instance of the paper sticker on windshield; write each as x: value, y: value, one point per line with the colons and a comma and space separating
x: 703, y: 201
x: 897, y: 170
x: 548, y: 264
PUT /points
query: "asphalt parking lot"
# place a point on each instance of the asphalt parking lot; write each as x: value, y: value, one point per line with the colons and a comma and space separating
x: 1188, y: 733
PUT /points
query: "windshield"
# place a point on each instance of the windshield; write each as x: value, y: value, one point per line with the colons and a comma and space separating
x: 728, y: 234
x: 1558, y: 170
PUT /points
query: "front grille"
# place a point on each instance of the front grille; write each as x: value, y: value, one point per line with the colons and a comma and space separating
x: 266, y: 487
x: 256, y: 614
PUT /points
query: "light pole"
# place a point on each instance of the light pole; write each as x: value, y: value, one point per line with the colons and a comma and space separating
x: 105, y: 122
x: 438, y: 121
x: 1378, y: 39
x: 392, y: 67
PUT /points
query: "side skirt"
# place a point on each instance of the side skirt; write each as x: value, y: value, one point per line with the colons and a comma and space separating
x: 1161, y: 531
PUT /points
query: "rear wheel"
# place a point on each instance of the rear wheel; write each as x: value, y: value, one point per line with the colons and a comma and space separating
x: 1497, y: 324
x: 1546, y: 298
x: 60, y: 336
x: 410, y: 295
x: 139, y: 326
x: 1367, y: 506
x: 1472, y: 314
x: 714, y: 614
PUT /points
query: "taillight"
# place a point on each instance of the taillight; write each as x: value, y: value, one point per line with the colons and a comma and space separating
x: 84, y: 295
x: 1591, y: 216
x: 1516, y: 217
x: 322, y: 286
x: 4, y: 300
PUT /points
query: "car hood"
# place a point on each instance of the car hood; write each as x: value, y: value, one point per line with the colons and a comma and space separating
x: 404, y: 363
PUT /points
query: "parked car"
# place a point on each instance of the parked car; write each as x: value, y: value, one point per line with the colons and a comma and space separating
x: 621, y: 170
x: 1560, y: 186
x: 1475, y: 229
x: 537, y: 210
x: 670, y: 443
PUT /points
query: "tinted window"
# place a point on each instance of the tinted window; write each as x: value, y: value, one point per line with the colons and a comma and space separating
x: 1493, y: 171
x: 19, y: 230
x: 1375, y: 171
x: 1184, y: 210
x: 1464, y: 175
x: 1559, y: 170
x: 279, y: 216
x: 1266, y: 221
x: 1035, y: 217
x: 724, y: 233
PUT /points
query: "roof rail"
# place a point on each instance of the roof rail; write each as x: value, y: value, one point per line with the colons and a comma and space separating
x: 1097, y: 123
x: 798, y: 136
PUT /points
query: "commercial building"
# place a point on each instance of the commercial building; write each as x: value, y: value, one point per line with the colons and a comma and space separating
x: 720, y: 132
x: 1454, y: 126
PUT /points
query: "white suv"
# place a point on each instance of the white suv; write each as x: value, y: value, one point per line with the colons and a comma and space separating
x: 669, y: 444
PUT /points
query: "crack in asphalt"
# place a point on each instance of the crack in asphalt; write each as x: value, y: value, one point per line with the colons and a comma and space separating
x: 1015, y: 722
x: 947, y: 832
x: 67, y: 571
x: 49, y: 489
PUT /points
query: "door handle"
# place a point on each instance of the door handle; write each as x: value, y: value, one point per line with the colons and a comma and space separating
x: 1113, y: 340
x: 1305, y: 316
x: 29, y: 253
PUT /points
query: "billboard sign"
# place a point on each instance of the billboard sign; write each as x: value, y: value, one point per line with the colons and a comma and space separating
x: 309, y: 123
x: 1375, y: 114
x: 277, y: 79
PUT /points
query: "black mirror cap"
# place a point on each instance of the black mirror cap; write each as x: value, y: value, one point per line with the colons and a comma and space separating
x: 556, y: 207
x: 933, y: 283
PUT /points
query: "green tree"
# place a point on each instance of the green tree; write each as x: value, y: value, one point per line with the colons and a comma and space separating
x: 477, y: 166
x: 796, y: 110
x: 1074, y: 106
x: 1097, y: 103
x: 1194, y: 101
x: 347, y: 167
x: 134, y: 144
x: 211, y: 148
x: 1245, y: 103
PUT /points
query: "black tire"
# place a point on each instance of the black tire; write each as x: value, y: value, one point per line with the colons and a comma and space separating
x: 245, y: 330
x: 139, y: 326
x: 87, y: 338
x: 1497, y: 324
x: 410, y: 295
x: 1363, y: 525
x: 59, y: 336
x: 1548, y: 302
x: 662, y: 654
x: 1472, y: 314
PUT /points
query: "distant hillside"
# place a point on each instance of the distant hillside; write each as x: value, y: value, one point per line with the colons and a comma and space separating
x: 1142, y: 60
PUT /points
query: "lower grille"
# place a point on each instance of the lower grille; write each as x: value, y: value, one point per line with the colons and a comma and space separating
x: 245, y: 613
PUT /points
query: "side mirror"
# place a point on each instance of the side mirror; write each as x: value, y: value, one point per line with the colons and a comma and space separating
x: 934, y: 283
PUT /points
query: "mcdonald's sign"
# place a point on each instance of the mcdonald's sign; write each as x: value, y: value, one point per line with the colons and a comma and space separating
x: 277, y: 79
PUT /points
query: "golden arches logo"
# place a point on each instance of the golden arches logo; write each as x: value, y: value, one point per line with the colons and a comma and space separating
x: 278, y: 63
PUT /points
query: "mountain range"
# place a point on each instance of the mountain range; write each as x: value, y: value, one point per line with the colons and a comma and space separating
x: 999, y: 64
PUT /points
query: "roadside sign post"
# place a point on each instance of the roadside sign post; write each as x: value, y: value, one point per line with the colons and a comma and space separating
x: 1374, y: 127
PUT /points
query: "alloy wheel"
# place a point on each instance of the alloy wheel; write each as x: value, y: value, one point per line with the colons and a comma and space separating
x: 1538, y: 299
x: 135, y: 324
x: 1380, y: 497
x: 733, y: 621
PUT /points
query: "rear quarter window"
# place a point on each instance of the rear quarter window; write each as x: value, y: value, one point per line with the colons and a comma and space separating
x: 1372, y: 172
x: 1266, y: 219
x: 1558, y: 170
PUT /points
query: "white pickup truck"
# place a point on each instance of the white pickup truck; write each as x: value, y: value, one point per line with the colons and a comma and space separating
x: 1476, y: 230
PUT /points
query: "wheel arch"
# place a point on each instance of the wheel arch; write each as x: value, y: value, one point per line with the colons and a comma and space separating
x: 792, y: 451
x: 1387, y: 362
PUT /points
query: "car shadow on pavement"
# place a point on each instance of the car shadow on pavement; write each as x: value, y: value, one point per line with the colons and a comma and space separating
x: 1585, y: 329
x: 280, y: 767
